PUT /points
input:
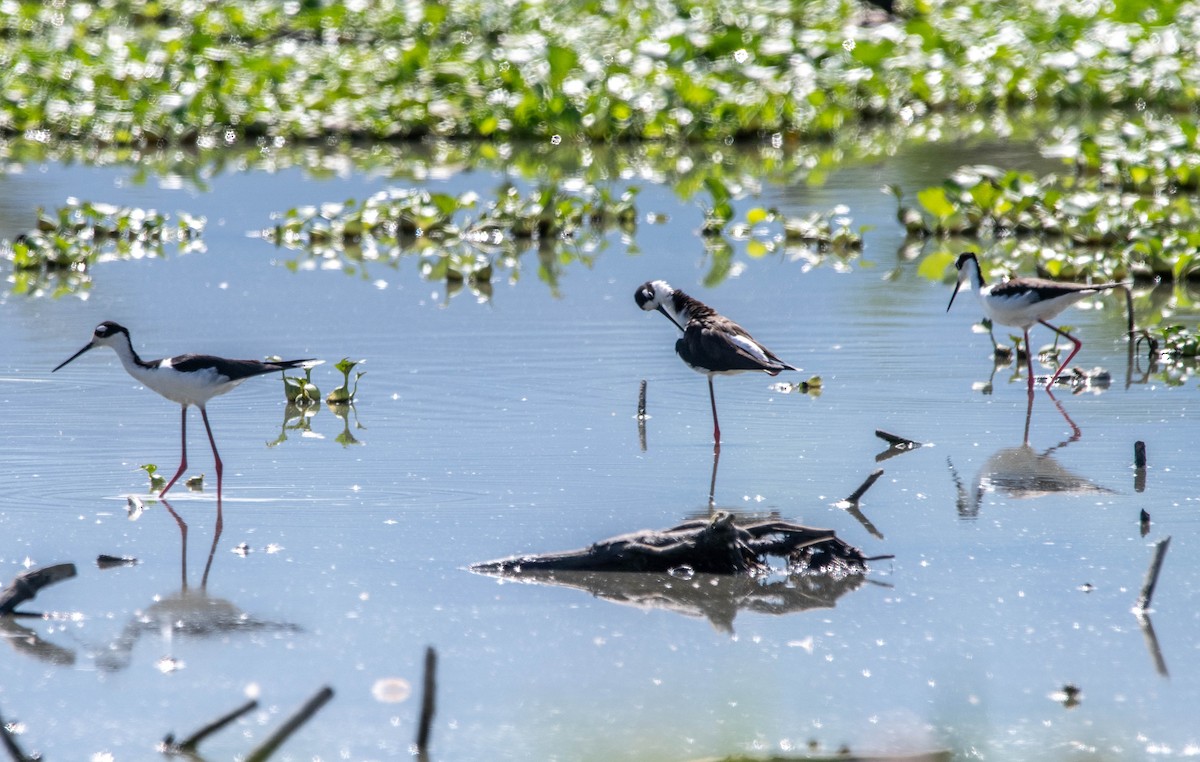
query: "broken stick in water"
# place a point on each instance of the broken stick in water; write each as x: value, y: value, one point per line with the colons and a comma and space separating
x: 1144, y: 522
x: 26, y: 585
x: 189, y: 744
x: 857, y: 494
x: 896, y: 445
x: 1160, y: 552
x: 293, y: 724
x: 642, y: 401
x: 429, y: 699
x: 10, y: 744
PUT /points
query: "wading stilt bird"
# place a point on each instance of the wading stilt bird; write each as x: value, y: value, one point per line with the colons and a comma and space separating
x: 711, y: 342
x: 187, y: 379
x: 1021, y: 302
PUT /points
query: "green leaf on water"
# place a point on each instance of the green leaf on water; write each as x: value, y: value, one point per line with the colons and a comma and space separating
x: 935, y: 202
x: 933, y: 266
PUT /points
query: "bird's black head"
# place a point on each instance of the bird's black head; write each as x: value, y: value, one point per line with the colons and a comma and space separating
x: 965, y: 257
x: 106, y: 334
x: 645, y: 295
x: 107, y: 330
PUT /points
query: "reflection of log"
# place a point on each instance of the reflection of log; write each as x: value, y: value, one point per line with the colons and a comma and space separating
x: 717, y: 598
x: 715, y: 546
x: 29, y: 642
x: 27, y: 584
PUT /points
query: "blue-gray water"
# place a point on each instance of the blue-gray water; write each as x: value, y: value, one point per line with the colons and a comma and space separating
x: 492, y: 428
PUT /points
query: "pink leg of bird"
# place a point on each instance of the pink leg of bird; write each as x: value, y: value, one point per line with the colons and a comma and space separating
x: 183, y: 460
x: 1066, y: 362
x: 716, y: 426
x: 216, y: 455
x: 1029, y: 361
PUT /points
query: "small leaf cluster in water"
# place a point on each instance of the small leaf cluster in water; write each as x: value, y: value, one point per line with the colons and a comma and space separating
x: 344, y: 395
x: 57, y: 254
x: 304, y: 402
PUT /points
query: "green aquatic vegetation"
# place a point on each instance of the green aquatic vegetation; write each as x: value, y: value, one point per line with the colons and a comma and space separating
x: 157, y: 482
x: 300, y: 390
x: 1064, y: 227
x: 457, y: 239
x: 344, y: 395
x: 57, y: 254
x: 139, y: 72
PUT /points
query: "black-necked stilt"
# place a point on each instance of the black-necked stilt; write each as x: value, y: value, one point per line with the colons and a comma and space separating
x: 187, y: 379
x: 1021, y: 302
x: 711, y: 343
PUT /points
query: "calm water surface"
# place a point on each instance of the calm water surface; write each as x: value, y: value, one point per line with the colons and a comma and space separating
x: 490, y: 428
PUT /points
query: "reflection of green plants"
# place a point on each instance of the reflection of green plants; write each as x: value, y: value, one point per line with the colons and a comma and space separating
x: 342, y: 410
x: 344, y: 394
x: 156, y: 482
x: 295, y: 418
x: 57, y: 255
x: 455, y: 240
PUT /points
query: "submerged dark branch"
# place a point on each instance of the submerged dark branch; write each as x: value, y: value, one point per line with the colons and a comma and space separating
x: 714, y: 546
x: 26, y: 585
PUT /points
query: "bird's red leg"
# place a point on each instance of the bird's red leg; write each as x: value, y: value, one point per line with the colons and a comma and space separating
x: 716, y: 426
x: 1029, y: 361
x: 216, y: 455
x: 183, y: 460
x: 1074, y: 351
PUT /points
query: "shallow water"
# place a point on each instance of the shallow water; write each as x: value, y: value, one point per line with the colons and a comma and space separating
x: 486, y: 429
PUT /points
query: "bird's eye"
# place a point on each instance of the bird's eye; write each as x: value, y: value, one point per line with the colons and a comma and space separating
x: 101, y: 330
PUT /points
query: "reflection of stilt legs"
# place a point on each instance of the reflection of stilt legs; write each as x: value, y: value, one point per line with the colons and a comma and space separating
x: 183, y: 534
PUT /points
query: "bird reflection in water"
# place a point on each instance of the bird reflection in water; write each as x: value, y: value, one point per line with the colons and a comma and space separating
x: 1022, y: 472
x: 191, y: 612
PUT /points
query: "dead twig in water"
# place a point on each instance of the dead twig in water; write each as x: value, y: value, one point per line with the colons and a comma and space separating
x: 857, y: 494
x: 850, y: 504
x: 896, y: 445
x: 429, y: 701
x: 188, y: 745
x: 10, y: 744
x: 1160, y: 552
x: 26, y: 585
x: 293, y: 724
x: 1139, y: 466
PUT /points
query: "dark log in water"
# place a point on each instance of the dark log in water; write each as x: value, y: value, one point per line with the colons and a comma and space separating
x: 26, y: 585
x: 714, y: 546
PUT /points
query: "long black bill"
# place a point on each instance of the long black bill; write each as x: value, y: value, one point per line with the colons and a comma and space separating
x: 661, y: 309
x: 957, y: 286
x: 72, y: 357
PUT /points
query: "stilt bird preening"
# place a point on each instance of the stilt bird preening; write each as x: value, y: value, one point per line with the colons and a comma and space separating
x: 187, y: 379
x: 712, y: 343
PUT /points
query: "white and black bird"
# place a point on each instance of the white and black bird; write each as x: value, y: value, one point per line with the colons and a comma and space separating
x: 712, y: 343
x: 188, y: 379
x: 1023, y: 302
